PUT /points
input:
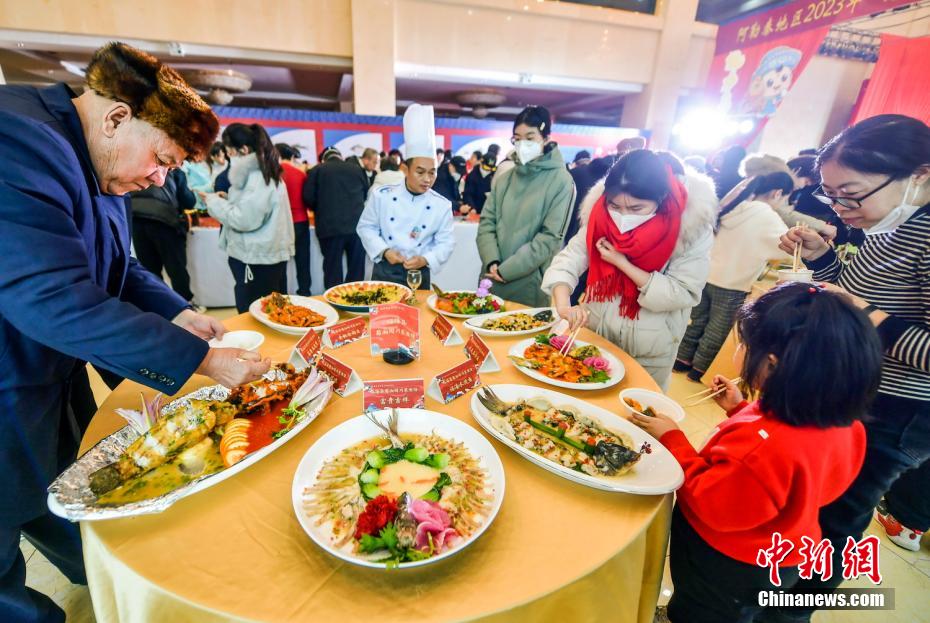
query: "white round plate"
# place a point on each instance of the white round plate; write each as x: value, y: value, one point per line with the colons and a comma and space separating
x: 659, y: 402
x: 474, y: 322
x: 617, y: 370
x: 246, y: 340
x: 431, y: 302
x: 654, y: 474
x: 362, y: 310
x: 417, y: 421
x: 332, y: 316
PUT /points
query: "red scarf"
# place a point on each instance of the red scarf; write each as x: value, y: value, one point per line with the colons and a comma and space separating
x: 648, y: 247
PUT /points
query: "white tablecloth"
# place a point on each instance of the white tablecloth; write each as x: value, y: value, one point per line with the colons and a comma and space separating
x: 212, y: 282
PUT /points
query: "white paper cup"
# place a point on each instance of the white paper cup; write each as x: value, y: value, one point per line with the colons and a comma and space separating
x: 246, y: 340
x: 802, y: 274
x: 659, y: 402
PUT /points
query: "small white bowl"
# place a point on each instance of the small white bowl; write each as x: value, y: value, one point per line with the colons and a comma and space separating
x: 246, y: 340
x: 802, y: 274
x: 659, y: 402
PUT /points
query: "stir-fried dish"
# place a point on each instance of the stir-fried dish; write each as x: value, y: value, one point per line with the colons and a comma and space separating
x: 518, y: 321
x: 279, y: 308
x: 366, y: 294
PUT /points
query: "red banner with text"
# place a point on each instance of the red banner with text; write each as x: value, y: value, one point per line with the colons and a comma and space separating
x: 748, y: 84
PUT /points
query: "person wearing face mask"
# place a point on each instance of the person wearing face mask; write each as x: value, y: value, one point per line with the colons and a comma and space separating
x: 478, y: 185
x: 448, y: 175
x: 748, y: 234
x: 876, y: 177
x: 70, y: 292
x: 409, y: 226
x: 258, y: 229
x: 645, y: 240
x: 527, y: 212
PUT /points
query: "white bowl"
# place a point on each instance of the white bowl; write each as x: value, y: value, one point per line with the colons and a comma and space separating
x: 659, y: 402
x: 246, y: 340
x: 803, y: 274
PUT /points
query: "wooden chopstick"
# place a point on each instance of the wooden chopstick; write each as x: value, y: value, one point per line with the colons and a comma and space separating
x: 796, y: 264
x: 567, y: 346
x: 710, y: 395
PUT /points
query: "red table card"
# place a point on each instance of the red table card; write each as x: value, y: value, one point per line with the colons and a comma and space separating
x: 340, y: 373
x: 345, y: 332
x: 458, y: 380
x: 395, y: 325
x: 402, y: 393
x: 309, y: 346
x: 441, y: 328
x: 476, y: 349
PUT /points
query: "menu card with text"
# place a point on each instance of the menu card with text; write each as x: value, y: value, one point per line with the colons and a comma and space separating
x: 395, y: 326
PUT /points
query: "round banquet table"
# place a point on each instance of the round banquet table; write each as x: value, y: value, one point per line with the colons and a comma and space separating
x: 556, y: 551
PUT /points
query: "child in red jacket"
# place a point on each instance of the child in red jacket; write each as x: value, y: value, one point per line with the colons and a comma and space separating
x: 770, y: 467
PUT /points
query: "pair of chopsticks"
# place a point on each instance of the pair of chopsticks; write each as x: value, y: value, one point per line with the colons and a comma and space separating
x: 796, y: 263
x: 711, y: 393
x: 567, y: 346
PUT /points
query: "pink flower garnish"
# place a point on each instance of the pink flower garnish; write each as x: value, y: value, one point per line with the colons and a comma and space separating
x: 485, y: 284
x: 433, y: 525
x: 596, y: 363
x: 557, y: 341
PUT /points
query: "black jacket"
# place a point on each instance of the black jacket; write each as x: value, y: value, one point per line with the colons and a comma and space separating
x: 336, y: 191
x: 476, y: 189
x: 165, y: 204
x: 447, y: 187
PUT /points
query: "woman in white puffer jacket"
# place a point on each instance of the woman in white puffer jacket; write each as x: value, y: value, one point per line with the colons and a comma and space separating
x: 645, y: 240
x: 258, y: 231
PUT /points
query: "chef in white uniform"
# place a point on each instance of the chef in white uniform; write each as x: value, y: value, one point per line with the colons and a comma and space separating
x: 408, y: 226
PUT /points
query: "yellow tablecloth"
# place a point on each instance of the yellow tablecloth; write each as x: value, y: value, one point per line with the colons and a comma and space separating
x: 557, y: 550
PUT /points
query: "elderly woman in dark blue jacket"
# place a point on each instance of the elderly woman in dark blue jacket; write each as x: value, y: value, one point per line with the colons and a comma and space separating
x: 70, y: 292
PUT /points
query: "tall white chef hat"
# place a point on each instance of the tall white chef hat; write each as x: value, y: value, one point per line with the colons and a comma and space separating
x: 419, y: 132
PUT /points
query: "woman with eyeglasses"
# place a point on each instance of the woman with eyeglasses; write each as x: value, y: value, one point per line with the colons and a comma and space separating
x: 876, y: 175
x: 524, y: 219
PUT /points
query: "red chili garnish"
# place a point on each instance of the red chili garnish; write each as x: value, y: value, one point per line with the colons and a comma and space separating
x: 495, y: 304
x: 378, y: 513
x: 563, y: 425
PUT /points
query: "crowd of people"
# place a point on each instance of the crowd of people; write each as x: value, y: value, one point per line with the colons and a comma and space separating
x: 664, y: 252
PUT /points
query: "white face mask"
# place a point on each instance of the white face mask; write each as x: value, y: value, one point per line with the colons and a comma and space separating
x: 528, y: 151
x: 627, y: 222
x: 456, y: 176
x: 898, y: 215
x: 484, y: 172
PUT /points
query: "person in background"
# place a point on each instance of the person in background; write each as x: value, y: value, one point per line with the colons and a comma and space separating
x: 409, y: 226
x: 772, y: 465
x: 808, y: 152
x: 582, y: 158
x: 806, y: 180
x: 724, y: 169
x: 71, y: 292
x: 396, y: 156
x: 478, y: 186
x: 336, y: 192
x: 876, y: 175
x: 525, y: 217
x: 494, y: 151
x: 645, y: 241
x: 389, y: 175
x: 447, y: 181
x: 748, y: 234
x: 784, y: 183
x: 629, y: 144
x: 585, y: 177
x: 473, y: 160
x: 159, y: 230
x: 763, y: 164
x: 442, y: 156
x: 697, y: 163
x: 371, y: 163
x: 258, y: 232
x: 505, y: 165
x: 219, y: 168
x: 294, y: 178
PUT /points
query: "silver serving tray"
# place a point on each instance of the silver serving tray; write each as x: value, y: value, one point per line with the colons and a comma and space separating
x: 69, y: 496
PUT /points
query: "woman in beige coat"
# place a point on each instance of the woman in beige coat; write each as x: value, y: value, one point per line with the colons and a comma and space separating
x: 645, y: 240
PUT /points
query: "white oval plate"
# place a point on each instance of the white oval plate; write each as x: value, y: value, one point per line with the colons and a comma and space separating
x: 246, y: 340
x: 617, y: 370
x: 362, y: 310
x: 474, y: 322
x: 431, y: 302
x: 654, y: 474
x: 418, y: 421
x: 332, y: 316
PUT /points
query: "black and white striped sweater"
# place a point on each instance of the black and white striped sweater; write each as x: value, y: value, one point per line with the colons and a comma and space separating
x: 892, y: 272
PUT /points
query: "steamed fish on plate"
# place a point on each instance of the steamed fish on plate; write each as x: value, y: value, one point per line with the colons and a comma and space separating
x: 563, y: 435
